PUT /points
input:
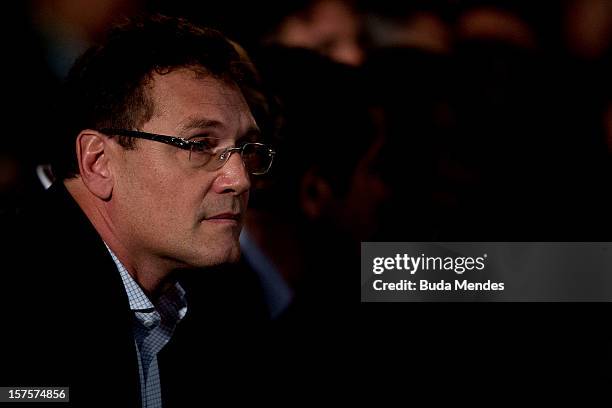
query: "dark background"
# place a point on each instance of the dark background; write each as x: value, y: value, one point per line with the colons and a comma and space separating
x: 498, y: 127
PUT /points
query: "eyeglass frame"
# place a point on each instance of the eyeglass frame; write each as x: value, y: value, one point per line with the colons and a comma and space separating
x: 187, y: 144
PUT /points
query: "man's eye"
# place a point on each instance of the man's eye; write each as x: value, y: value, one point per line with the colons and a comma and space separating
x: 204, y: 145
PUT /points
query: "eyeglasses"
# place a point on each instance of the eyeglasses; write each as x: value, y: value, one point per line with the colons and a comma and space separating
x: 257, y: 157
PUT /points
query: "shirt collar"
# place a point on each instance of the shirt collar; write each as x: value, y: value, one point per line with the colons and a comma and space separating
x: 173, y: 301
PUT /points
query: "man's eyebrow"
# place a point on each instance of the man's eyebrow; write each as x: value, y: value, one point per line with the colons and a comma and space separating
x: 199, y: 123
x: 252, y: 133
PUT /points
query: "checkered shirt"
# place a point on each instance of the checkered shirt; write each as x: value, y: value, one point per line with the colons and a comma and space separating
x: 153, y: 327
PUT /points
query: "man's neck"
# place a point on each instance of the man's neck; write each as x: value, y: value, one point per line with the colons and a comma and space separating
x: 153, y: 275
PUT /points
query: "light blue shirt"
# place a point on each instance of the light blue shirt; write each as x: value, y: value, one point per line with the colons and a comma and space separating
x: 153, y: 327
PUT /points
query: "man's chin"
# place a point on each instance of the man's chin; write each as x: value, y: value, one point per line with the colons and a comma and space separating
x: 220, y: 256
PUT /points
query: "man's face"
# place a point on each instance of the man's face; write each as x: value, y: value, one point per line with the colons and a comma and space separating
x: 165, y: 207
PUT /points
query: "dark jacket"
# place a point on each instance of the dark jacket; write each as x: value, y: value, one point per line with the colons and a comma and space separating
x: 66, y: 319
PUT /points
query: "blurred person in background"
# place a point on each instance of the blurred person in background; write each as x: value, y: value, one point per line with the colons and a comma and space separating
x: 499, y: 22
x: 326, y: 193
x: 330, y: 27
x: 420, y: 25
x: 333, y: 28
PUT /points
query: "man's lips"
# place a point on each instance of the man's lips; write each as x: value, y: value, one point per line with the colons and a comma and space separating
x: 225, y: 217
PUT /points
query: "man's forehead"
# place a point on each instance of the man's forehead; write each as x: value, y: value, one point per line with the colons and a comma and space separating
x: 198, y: 101
x: 184, y: 86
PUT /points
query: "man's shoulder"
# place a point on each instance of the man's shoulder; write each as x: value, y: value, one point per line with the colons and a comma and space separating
x: 49, y: 219
x: 54, y: 262
x: 51, y: 243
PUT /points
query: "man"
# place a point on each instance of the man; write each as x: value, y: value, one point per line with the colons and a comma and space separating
x: 153, y: 174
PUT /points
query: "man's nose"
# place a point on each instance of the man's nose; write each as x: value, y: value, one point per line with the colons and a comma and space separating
x: 233, y: 176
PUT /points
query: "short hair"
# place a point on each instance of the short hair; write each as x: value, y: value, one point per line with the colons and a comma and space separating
x: 107, y: 86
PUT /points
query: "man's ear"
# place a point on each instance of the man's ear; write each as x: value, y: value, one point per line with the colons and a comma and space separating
x: 316, y: 195
x: 93, y: 154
